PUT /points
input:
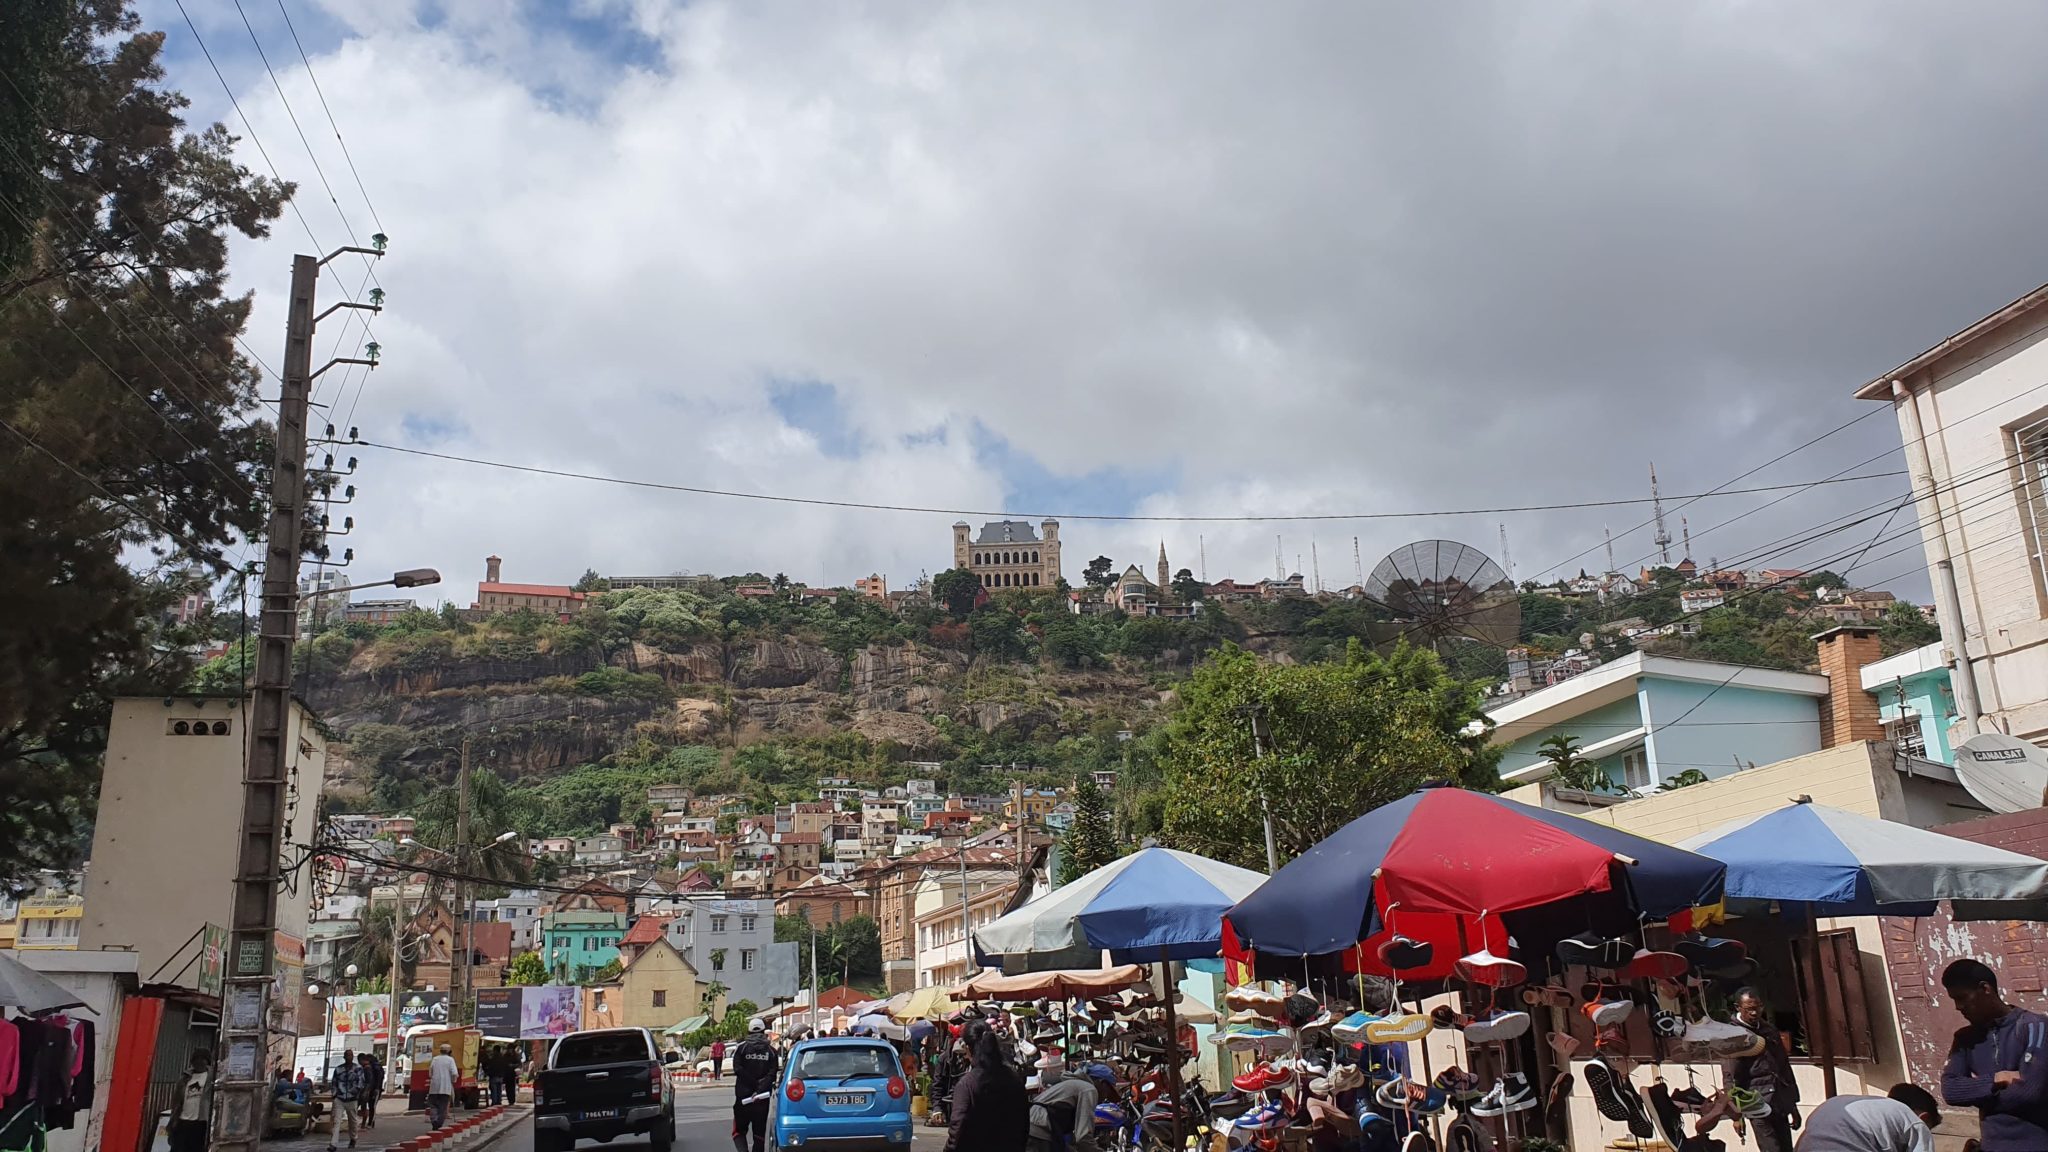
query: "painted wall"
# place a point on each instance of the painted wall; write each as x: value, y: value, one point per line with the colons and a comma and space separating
x: 1710, y: 730
x: 1603, y: 723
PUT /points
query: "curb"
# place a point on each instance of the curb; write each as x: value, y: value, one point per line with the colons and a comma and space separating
x: 472, y: 1133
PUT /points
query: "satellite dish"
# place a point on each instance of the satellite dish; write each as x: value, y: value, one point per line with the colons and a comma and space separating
x: 2004, y: 773
x: 1447, y: 596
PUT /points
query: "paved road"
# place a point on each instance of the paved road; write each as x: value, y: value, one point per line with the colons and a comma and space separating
x: 703, y: 1124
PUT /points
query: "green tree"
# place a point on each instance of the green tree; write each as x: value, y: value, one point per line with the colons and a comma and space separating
x: 1570, y: 769
x: 1904, y: 627
x: 1090, y: 841
x: 609, y: 974
x: 590, y: 581
x: 1345, y: 738
x: 126, y: 401
x: 495, y: 812
x: 1098, y: 574
x: 527, y: 969
x: 1685, y: 779
x: 998, y: 634
x: 1816, y: 581
x: 1186, y: 588
x: 957, y: 589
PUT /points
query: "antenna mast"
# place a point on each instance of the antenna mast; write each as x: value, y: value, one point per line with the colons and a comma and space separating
x: 1507, y: 562
x: 1358, y: 564
x: 1202, y: 547
x: 1610, y: 546
x: 1685, y: 530
x: 1315, y: 566
x: 1279, y: 565
x: 1663, y: 537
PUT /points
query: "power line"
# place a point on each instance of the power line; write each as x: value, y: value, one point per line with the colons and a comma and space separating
x: 198, y: 552
x: 367, y: 202
x: 879, y: 507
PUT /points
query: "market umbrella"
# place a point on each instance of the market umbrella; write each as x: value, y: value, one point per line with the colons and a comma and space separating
x: 922, y: 1003
x: 1816, y: 861
x: 29, y: 990
x: 1068, y: 984
x: 1447, y: 861
x: 1155, y: 904
x: 1829, y: 862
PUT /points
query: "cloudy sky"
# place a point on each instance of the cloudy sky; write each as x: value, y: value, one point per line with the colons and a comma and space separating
x: 1134, y: 259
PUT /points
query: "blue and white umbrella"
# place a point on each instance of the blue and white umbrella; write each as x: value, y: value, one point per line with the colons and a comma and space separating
x: 1156, y: 904
x: 1827, y: 862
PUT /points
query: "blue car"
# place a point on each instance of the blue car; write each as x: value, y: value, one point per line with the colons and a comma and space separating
x: 842, y: 1093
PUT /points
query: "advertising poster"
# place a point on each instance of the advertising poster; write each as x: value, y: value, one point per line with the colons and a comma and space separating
x: 549, y: 1010
x: 368, y: 1015
x: 213, y: 958
x: 497, y: 1013
x: 421, y: 1008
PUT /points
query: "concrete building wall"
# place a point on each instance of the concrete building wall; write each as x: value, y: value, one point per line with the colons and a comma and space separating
x: 1694, y: 726
x: 163, y: 848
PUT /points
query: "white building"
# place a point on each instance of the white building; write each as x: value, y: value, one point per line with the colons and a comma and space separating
x: 732, y: 942
x: 606, y: 849
x: 1974, y: 420
x: 519, y: 909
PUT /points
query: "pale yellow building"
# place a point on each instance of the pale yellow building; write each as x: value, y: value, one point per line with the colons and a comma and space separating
x: 163, y: 847
x: 1009, y: 554
x: 48, y: 922
x: 657, y: 989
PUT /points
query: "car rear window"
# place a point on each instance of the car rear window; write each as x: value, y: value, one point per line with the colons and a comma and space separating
x: 584, y: 1049
x: 840, y: 1061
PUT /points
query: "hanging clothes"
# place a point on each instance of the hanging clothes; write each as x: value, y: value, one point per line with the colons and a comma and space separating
x: 82, y: 1066
x: 10, y: 1057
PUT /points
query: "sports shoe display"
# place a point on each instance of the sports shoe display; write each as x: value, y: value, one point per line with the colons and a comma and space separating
x: 1347, y: 1078
x: 1498, y: 1027
x: 1457, y: 1084
x: 1511, y: 1094
x: 1607, y: 1013
x: 1648, y: 965
x: 1670, y: 1123
x: 1563, y: 1044
x: 1491, y: 971
x: 1351, y: 1029
x: 1706, y: 953
x: 1689, y: 1099
x: 1617, y: 1099
x: 1400, y: 1029
x: 1402, y: 954
x: 1589, y: 950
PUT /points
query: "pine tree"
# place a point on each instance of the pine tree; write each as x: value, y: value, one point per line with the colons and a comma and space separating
x: 1091, y: 838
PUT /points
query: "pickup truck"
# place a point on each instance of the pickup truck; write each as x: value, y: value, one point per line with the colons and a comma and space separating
x: 600, y: 1085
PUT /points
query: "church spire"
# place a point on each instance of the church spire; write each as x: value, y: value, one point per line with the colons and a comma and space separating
x: 1162, y: 567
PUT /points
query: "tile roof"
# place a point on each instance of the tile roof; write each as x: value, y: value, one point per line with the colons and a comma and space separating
x: 646, y: 930
x: 484, y: 586
x: 1007, y: 532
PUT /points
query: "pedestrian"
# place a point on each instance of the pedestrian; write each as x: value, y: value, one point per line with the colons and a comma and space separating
x: 990, y: 1112
x: 1998, y: 1063
x: 1768, y: 1074
x: 754, y: 1068
x: 441, y: 1077
x: 491, y: 1065
x: 717, y: 1058
x: 373, y: 1087
x: 188, y: 1132
x: 1063, y: 1112
x: 1903, y: 1120
x: 346, y: 1084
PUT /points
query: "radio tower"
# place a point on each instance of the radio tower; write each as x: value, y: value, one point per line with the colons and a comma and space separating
x: 1507, y: 562
x: 1685, y: 530
x: 1315, y: 566
x: 1357, y: 564
x: 1279, y: 565
x: 1202, y: 551
x: 1663, y: 537
x: 1610, y: 546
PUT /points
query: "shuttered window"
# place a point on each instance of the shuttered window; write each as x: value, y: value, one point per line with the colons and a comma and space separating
x: 2030, y: 450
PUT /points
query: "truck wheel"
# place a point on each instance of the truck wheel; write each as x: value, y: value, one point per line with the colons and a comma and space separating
x: 662, y: 1135
x: 549, y: 1140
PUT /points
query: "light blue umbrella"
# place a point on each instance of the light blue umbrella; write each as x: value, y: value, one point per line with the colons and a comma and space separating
x: 1153, y: 905
x: 1826, y: 862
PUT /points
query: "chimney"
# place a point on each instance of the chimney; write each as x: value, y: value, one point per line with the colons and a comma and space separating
x: 1851, y: 714
x: 491, y: 564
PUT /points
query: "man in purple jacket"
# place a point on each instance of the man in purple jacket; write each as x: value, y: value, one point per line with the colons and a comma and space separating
x: 1999, y: 1062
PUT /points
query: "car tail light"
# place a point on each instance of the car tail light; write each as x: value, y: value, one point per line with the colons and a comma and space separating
x: 654, y: 1080
x: 897, y: 1087
x: 795, y: 1091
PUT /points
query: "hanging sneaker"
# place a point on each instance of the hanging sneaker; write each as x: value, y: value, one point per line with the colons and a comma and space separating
x: 1498, y: 1027
x: 1457, y: 1084
x: 1607, y: 1013
x: 1590, y: 950
x: 1402, y: 954
x: 1491, y: 971
x: 1705, y: 953
x: 1603, y: 1083
x: 1648, y: 965
x: 1351, y: 1029
x: 1563, y: 1044
x: 1670, y: 1123
x: 1689, y: 1099
x: 1401, y: 1029
x: 1511, y: 1094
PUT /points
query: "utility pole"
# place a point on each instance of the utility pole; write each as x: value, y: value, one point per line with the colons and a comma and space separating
x: 1265, y: 806
x: 462, y: 887
x: 242, y: 1105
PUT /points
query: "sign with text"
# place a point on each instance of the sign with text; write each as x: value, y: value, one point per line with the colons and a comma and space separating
x: 365, y: 1015
x: 427, y: 1007
x: 549, y: 1010
x: 213, y: 958
x: 497, y: 1013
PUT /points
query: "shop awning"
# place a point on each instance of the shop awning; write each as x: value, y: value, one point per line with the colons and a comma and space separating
x: 685, y: 1027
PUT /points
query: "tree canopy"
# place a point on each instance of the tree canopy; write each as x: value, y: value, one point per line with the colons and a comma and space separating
x: 1343, y: 738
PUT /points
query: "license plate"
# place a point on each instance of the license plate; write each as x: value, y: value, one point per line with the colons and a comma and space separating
x: 600, y: 1114
x: 845, y: 1099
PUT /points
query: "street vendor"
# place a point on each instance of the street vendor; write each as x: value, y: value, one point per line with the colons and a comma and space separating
x: 1998, y: 1063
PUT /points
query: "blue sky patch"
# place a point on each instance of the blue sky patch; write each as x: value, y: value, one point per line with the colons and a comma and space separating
x: 427, y: 431
x: 1033, y: 490
x: 814, y: 407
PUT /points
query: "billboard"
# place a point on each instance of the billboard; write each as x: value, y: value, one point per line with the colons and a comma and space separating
x: 416, y: 1008
x: 549, y: 1010
x: 497, y: 1013
x: 366, y: 1015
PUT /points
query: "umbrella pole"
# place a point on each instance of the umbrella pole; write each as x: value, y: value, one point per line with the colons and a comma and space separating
x: 1824, y: 1042
x: 1172, y: 1044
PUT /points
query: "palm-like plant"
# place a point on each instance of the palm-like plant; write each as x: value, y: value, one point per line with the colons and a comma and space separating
x: 1572, y: 770
x: 495, y: 826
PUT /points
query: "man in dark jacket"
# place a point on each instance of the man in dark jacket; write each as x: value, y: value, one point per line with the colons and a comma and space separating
x: 754, y: 1069
x: 990, y: 1111
x: 1999, y: 1063
x: 1768, y: 1074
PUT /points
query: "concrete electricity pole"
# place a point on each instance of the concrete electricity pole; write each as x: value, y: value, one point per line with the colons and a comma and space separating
x: 242, y: 1104
x: 459, y: 994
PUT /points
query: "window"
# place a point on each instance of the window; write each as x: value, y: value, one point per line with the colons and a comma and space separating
x: 747, y: 923
x: 835, y: 911
x: 1635, y: 768
x: 660, y: 998
x: 1905, y: 734
x: 718, y: 923
x: 746, y: 959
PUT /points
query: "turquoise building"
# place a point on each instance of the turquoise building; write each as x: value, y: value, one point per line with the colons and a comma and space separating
x: 1645, y: 719
x: 577, y: 945
x: 1915, y: 700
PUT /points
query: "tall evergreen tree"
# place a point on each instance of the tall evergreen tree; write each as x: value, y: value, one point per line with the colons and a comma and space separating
x: 1091, y: 838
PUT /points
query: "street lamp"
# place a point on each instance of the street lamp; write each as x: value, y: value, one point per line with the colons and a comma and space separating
x: 327, y: 996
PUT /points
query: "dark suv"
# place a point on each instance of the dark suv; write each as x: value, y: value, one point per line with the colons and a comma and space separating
x: 601, y: 1085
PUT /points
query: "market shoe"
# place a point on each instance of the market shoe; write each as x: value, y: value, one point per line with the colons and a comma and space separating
x: 1457, y: 1084
x: 1589, y: 950
x: 1401, y: 1029
x: 1511, y: 1094
x: 1546, y: 996
x: 1445, y: 1017
x: 1256, y: 1079
x: 1351, y: 1029
x: 1253, y: 998
x: 1498, y: 1027
x: 1735, y: 972
x: 1602, y: 1081
x: 1485, y: 968
x: 1670, y: 1124
x: 1688, y: 1099
x: 1347, y: 1078
x: 1750, y: 1102
x: 1557, y: 1106
x: 1706, y: 953
x: 1607, y: 1013
x: 1648, y: 965
x: 1253, y: 1019
x: 1402, y: 954
x: 1666, y: 1024
x: 1718, y: 1109
x: 1321, y: 1022
x: 1564, y: 1045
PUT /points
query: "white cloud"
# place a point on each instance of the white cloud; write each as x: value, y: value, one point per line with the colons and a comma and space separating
x: 1300, y: 258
